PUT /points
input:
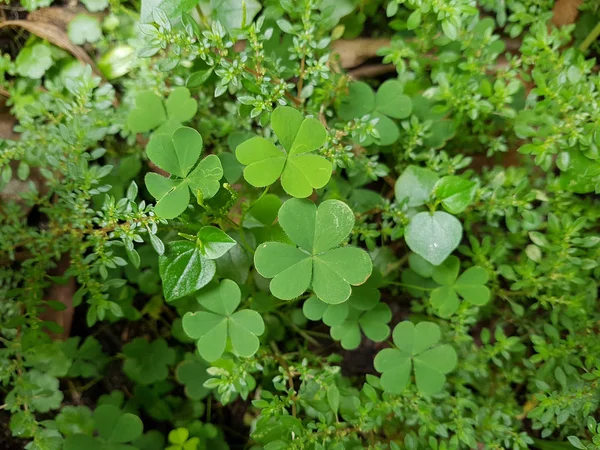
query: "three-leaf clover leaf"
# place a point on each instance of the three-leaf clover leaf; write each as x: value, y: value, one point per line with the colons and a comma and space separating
x: 315, y: 261
x: 415, y: 346
x: 187, y: 266
x: 179, y: 439
x: 433, y: 235
x: 388, y: 102
x: 192, y: 374
x: 455, y: 193
x: 470, y: 285
x: 221, y: 323
x: 361, y: 311
x: 115, y: 430
x: 178, y: 155
x: 300, y: 171
x: 151, y: 112
x: 147, y: 362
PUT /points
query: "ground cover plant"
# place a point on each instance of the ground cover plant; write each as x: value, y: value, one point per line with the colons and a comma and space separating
x: 307, y: 224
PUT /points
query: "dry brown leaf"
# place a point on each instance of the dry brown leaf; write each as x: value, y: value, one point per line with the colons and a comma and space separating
x: 55, y: 35
x: 565, y: 12
x: 356, y: 51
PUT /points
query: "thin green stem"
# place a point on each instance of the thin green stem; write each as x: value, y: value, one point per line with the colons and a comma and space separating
x: 590, y: 38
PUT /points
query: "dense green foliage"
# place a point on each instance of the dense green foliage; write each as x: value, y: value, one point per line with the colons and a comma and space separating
x: 264, y: 252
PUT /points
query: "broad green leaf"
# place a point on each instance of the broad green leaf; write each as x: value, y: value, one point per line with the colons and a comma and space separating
x: 430, y: 367
x: 234, y: 14
x: 192, y: 374
x: 300, y: 172
x: 82, y: 441
x: 359, y: 101
x: 330, y: 271
x: 386, y: 129
x: 447, y: 272
x: 180, y: 105
x: 84, y: 28
x: 184, y: 270
x: 95, y: 5
x: 32, y: 62
x: 198, y: 78
x: 244, y: 327
x: 416, y: 184
x: 471, y: 286
x: 444, y: 301
x: 265, y: 209
x: 147, y: 362
x: 148, y: 114
x: 433, y: 236
x: 391, y: 101
x: 116, y: 427
x: 374, y: 322
x: 420, y: 265
x: 117, y: 61
x: 173, y: 196
x: 214, y: 243
x: 455, y: 192
x: 210, y: 332
x: 286, y: 123
x: 395, y: 367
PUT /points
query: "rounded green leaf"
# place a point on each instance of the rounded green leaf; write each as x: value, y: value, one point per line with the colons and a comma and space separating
x: 32, y: 62
x: 334, y: 222
x: 272, y: 258
x: 192, y: 374
x: 471, y: 286
x: 148, y: 113
x: 81, y: 441
x: 266, y: 208
x: 395, y: 367
x: 187, y: 143
x: 444, y: 301
x: 203, y: 181
x: 348, y: 333
x: 420, y: 266
x: 374, y: 322
x: 293, y: 281
x: 210, y: 331
x: 172, y: 195
x: 128, y: 428
x: 447, y: 272
x: 263, y: 160
x: 286, y: 122
x: 359, y: 101
x: 244, y: 326
x: 298, y: 218
x: 215, y: 243
x: 430, y: 367
x: 311, y: 135
x: 313, y: 308
x: 184, y: 270
x: 304, y: 173
x: 416, y: 184
x: 335, y: 314
x: 84, y: 28
x: 433, y: 236
x: 427, y: 334
x: 222, y: 299
x: 181, y: 107
x: 391, y: 101
x: 455, y: 192
x: 386, y: 129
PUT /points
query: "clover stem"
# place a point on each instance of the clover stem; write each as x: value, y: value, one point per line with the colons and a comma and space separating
x: 590, y: 38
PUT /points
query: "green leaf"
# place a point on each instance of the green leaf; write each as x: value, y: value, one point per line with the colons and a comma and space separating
x: 317, y: 263
x: 220, y: 322
x: 387, y: 130
x: 147, y: 362
x: 198, y: 78
x: 95, y: 5
x: 184, y: 270
x: 177, y: 155
x: 433, y: 236
x: 470, y: 285
x: 192, y: 374
x: 148, y: 114
x: 84, y: 28
x: 178, y: 436
x: 575, y: 442
x: 214, y: 242
x: 359, y: 102
x: 33, y: 62
x: 75, y: 420
x: 180, y: 105
x: 416, y: 346
x: 416, y: 184
x: 300, y: 172
x: 117, y: 427
x: 333, y: 398
x: 456, y: 193
x: 82, y: 441
x: 391, y: 101
x: 234, y: 14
